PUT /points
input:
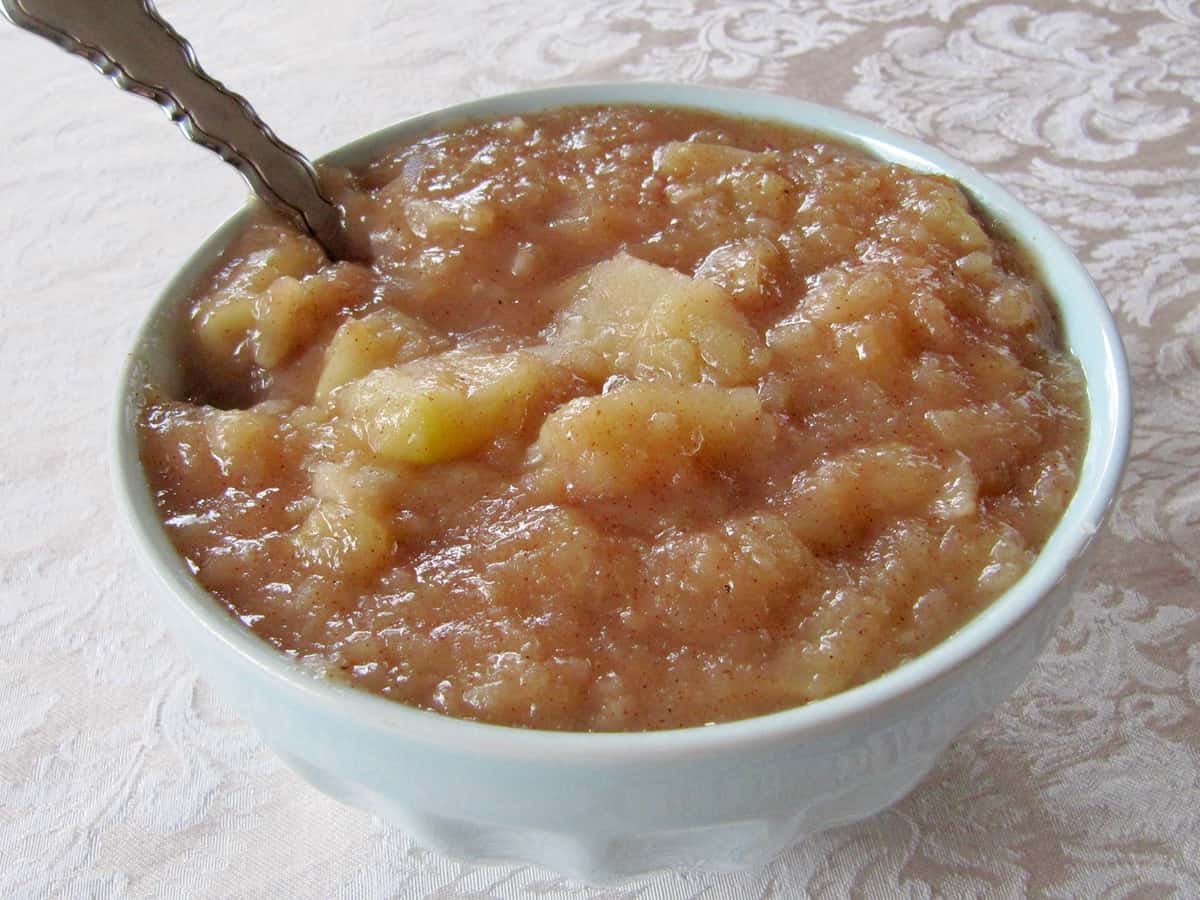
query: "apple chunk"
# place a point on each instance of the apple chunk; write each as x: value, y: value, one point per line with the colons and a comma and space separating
x: 648, y: 322
x: 445, y: 407
x: 644, y: 435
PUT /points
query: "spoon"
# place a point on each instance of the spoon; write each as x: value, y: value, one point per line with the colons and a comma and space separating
x: 129, y: 42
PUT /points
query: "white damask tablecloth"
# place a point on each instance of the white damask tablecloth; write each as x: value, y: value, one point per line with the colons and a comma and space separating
x: 121, y: 774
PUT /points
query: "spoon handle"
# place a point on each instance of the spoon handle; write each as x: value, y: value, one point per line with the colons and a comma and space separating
x: 130, y: 43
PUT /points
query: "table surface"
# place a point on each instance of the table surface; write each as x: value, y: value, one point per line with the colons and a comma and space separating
x: 122, y: 775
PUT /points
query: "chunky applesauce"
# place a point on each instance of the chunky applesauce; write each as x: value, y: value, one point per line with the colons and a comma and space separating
x: 634, y: 419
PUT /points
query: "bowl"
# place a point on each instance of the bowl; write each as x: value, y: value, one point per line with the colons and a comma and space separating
x: 605, y: 806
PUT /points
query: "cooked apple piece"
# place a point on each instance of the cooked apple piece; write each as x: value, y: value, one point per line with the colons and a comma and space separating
x: 373, y: 489
x: 933, y: 322
x: 352, y: 542
x: 704, y: 585
x: 642, y: 435
x: 995, y: 371
x: 840, y: 296
x: 445, y: 407
x: 875, y: 349
x: 944, y: 214
x: 223, y: 323
x: 224, y: 319
x: 996, y: 437
x: 242, y: 442
x: 435, y: 219
x: 836, y: 640
x: 748, y: 270
x: 1013, y: 308
x: 292, y: 312
x: 762, y: 192
x: 695, y: 169
x: 684, y: 159
x: 647, y: 321
x: 840, y: 502
x: 382, y: 338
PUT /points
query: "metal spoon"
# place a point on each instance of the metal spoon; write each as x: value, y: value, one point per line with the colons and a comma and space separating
x: 130, y: 43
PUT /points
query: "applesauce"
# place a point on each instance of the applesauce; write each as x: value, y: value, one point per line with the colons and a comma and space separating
x: 627, y: 419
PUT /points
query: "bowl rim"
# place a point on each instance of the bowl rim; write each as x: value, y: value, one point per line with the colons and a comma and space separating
x: 1101, y: 469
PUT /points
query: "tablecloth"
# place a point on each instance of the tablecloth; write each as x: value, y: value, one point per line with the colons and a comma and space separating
x: 121, y: 775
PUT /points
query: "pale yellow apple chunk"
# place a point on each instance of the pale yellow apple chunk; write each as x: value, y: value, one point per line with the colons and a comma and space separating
x: 293, y: 312
x: 749, y: 270
x: 445, y: 407
x: 243, y: 443
x: 224, y: 318
x: 683, y: 159
x: 836, y: 504
x: 640, y: 435
x: 352, y: 542
x: 382, y: 338
x: 649, y: 322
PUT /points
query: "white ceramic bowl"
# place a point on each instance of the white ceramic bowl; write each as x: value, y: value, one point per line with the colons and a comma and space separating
x: 604, y: 806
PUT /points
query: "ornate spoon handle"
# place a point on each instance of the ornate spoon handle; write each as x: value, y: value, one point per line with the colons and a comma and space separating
x: 130, y: 43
